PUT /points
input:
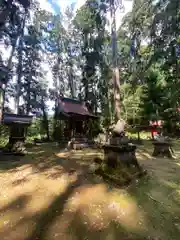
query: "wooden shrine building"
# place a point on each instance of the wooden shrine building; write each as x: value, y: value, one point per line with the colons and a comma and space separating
x: 76, y: 118
x: 17, y: 123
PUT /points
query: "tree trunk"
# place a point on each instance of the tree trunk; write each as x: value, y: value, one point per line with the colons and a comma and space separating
x: 1, y: 104
x: 45, y: 119
x: 12, y: 53
x: 116, y: 77
x: 4, y: 16
x: 19, y: 74
x: 71, y: 82
x: 9, y: 65
x: 19, y: 68
x: 29, y: 94
x: 28, y: 98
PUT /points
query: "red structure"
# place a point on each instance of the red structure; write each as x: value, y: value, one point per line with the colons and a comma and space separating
x: 156, y: 125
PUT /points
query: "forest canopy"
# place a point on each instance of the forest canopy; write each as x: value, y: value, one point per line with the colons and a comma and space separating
x: 70, y: 54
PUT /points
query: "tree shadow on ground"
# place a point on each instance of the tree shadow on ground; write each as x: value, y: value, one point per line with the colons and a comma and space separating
x: 158, y: 197
x: 52, y: 167
x: 36, y: 155
x: 49, y: 215
x: 152, y: 194
x: 16, y: 204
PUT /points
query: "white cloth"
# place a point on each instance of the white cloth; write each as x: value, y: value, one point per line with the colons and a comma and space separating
x: 119, y: 127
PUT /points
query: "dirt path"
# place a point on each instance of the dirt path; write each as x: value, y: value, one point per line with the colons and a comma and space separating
x: 49, y: 195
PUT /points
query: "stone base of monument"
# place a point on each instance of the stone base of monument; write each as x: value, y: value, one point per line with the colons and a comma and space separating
x: 163, y: 149
x: 15, y: 147
x: 122, y: 154
x: 120, y: 164
x: 136, y: 141
x: 78, y: 143
x: 119, y: 177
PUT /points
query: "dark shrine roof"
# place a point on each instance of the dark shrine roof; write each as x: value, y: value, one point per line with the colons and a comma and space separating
x: 10, y: 118
x: 72, y: 106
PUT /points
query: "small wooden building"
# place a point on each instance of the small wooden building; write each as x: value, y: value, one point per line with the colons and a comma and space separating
x: 76, y: 117
x: 18, y: 125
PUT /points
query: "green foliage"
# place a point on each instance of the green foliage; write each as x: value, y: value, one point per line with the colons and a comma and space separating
x: 38, y: 129
x: 131, y: 102
x: 4, y: 131
x: 153, y: 96
x: 79, y: 54
x: 35, y: 129
x: 94, y: 127
x: 91, y: 22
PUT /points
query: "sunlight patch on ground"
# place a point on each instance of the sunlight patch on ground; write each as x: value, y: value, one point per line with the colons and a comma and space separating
x: 178, y: 164
x: 178, y: 195
x: 27, y: 191
x: 144, y: 156
x: 36, y: 153
x: 98, y: 208
x: 172, y: 184
x: 127, y: 210
x: 63, y: 154
x: 21, y: 203
x: 19, y: 231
